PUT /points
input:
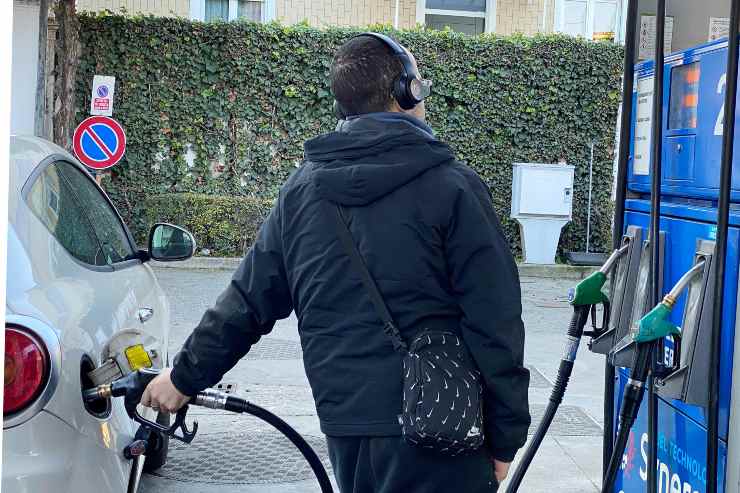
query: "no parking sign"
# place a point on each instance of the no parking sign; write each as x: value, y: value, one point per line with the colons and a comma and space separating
x: 99, y: 142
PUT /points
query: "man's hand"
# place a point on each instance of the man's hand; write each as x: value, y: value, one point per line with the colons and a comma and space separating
x: 500, y: 469
x: 162, y: 395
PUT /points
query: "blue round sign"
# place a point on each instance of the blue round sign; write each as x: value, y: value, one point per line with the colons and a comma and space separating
x: 102, y: 91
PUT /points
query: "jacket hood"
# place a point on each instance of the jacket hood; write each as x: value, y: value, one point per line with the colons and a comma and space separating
x: 372, y: 155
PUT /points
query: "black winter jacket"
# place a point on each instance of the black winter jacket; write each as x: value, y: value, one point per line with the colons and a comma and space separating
x: 425, y: 225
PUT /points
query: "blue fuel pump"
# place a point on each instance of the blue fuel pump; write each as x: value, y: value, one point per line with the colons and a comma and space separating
x: 676, y: 182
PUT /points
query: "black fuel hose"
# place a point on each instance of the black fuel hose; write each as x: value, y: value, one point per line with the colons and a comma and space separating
x: 633, y: 394
x: 132, y: 387
x: 218, y: 400
x: 575, y: 332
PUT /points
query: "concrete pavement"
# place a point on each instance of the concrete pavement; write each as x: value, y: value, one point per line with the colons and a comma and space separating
x: 241, y: 454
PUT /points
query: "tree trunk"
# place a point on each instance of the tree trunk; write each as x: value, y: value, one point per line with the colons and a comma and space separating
x: 41, y: 73
x: 65, y: 71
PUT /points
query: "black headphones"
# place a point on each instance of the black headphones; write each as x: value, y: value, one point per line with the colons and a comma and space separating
x: 408, y: 90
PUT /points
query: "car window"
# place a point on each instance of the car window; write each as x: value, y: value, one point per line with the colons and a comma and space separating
x: 105, y: 220
x: 52, y: 201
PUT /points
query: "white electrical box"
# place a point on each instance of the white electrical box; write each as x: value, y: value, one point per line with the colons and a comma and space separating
x: 542, y: 190
x: 542, y: 203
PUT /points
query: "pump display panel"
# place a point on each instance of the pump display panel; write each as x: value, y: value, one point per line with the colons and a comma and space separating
x: 693, y: 116
x: 684, y: 97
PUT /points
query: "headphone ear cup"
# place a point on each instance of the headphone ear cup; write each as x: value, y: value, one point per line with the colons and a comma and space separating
x: 338, y: 111
x: 402, y: 93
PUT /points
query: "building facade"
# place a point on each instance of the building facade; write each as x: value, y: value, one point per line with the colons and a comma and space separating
x: 587, y: 18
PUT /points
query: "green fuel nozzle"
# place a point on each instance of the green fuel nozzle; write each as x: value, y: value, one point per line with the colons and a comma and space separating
x: 588, y: 291
x: 655, y: 324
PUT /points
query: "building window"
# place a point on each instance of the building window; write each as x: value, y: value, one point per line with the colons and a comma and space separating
x: 466, y: 16
x: 216, y: 10
x: 591, y: 19
x: 250, y: 10
x: 229, y: 10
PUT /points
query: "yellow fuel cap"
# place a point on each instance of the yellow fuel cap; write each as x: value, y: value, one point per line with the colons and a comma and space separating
x: 138, y: 357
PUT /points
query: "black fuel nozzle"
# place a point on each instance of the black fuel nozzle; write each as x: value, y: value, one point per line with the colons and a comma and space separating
x: 131, y: 388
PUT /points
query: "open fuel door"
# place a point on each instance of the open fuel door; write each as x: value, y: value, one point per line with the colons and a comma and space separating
x: 688, y: 380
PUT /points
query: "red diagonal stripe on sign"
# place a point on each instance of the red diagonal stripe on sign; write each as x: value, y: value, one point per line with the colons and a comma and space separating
x: 100, y: 143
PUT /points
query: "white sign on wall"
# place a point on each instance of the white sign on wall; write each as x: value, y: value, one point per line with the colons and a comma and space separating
x: 643, y: 126
x: 101, y: 101
x: 647, y: 36
x: 719, y: 27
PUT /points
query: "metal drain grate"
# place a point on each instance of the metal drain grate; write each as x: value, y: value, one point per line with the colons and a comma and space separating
x: 271, y: 348
x: 246, y: 458
x: 569, y: 421
x: 537, y: 380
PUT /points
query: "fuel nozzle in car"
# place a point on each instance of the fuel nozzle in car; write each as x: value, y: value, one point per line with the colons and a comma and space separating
x: 584, y: 298
x: 651, y: 327
x: 132, y: 386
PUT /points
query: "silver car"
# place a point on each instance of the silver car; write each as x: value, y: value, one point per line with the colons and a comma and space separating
x: 80, y: 297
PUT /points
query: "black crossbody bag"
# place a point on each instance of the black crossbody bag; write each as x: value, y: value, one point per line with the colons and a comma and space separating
x: 442, y: 391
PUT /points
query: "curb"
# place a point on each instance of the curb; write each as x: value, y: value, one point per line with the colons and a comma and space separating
x: 557, y: 271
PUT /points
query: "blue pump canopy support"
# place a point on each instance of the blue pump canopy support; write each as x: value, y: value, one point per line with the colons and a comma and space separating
x: 723, y: 215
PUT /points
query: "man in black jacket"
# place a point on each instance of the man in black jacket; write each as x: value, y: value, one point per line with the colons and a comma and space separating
x: 425, y: 225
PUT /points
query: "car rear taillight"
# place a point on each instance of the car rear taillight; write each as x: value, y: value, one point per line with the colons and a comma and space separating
x: 26, y: 369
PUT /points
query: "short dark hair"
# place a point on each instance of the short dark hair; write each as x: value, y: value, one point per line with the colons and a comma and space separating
x: 362, y: 75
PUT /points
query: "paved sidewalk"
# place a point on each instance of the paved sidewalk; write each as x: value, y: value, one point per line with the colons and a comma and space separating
x: 240, y: 454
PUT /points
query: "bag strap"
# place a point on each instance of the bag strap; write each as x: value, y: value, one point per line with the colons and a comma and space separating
x: 389, y: 326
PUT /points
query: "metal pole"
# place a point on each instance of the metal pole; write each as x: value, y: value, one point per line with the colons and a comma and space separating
x: 656, y: 174
x: 723, y: 214
x: 625, y: 139
x: 590, y: 190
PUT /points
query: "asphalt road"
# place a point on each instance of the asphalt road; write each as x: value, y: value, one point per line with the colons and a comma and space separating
x: 234, y: 453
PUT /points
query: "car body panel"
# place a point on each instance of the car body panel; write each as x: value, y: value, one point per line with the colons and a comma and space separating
x: 86, y: 307
x: 44, y: 455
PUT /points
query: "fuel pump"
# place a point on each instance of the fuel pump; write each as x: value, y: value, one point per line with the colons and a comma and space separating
x: 131, y: 388
x: 675, y: 166
x: 653, y: 326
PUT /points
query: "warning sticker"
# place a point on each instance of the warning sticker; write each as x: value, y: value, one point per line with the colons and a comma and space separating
x: 643, y: 126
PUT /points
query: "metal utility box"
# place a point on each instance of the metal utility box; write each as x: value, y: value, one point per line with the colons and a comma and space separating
x: 542, y: 203
x: 542, y: 190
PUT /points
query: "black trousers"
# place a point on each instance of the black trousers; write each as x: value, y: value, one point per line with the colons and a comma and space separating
x: 390, y: 465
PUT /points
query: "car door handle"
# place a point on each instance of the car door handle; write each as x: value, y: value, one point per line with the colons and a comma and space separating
x: 145, y: 314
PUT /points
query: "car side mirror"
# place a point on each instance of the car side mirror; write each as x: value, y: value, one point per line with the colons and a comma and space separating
x: 168, y: 243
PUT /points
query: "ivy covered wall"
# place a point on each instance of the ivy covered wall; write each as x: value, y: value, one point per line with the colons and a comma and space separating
x: 224, y: 108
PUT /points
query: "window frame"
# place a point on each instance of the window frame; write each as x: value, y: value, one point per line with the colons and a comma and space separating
x: 488, y: 15
x: 198, y: 10
x: 621, y: 5
x: 57, y: 158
